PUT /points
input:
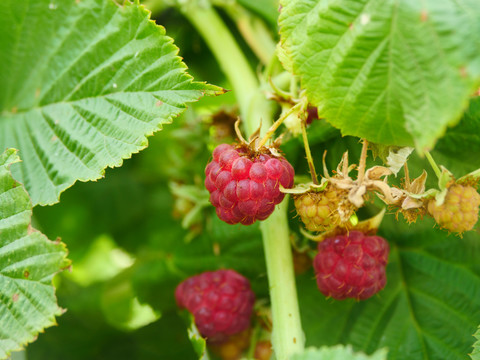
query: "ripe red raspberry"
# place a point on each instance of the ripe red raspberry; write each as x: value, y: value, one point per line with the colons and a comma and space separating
x: 221, y: 302
x: 245, y: 187
x: 351, y: 265
x: 459, y: 211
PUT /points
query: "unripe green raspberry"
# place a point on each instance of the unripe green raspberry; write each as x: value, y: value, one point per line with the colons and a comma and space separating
x: 319, y: 211
x: 459, y: 211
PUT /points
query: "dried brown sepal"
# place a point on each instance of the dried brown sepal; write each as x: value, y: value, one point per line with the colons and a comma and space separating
x: 251, y: 147
x: 408, y: 200
x: 367, y: 179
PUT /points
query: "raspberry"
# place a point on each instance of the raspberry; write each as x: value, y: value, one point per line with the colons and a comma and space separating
x: 319, y: 210
x: 459, y: 211
x: 220, y: 301
x: 351, y: 265
x: 243, y: 187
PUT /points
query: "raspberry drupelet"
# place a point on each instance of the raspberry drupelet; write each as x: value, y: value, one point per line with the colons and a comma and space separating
x: 244, y: 186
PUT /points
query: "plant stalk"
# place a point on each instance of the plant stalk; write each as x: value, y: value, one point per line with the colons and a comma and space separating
x: 231, y: 59
x: 287, y: 334
x: 254, y: 31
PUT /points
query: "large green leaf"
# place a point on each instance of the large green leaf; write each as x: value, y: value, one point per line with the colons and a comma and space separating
x: 429, y: 309
x: 28, y: 261
x: 83, y: 84
x: 394, y: 72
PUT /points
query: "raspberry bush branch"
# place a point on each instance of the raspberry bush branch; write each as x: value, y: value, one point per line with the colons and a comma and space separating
x: 287, y: 334
x: 231, y: 60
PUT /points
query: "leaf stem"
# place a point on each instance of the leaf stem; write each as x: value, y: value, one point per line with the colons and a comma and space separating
x: 433, y: 164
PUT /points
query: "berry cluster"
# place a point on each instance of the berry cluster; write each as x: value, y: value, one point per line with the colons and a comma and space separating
x: 351, y: 265
x: 220, y: 301
x: 244, y: 186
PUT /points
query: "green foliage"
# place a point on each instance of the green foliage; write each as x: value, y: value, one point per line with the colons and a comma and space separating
x: 338, y: 353
x: 475, y: 354
x: 85, y: 82
x: 28, y: 261
x: 101, y: 78
x: 384, y: 70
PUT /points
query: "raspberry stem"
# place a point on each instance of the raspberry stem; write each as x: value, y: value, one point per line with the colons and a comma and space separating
x: 433, y: 164
x: 231, y: 59
x: 311, y: 165
x: 276, y: 125
x: 287, y: 334
x: 363, y: 161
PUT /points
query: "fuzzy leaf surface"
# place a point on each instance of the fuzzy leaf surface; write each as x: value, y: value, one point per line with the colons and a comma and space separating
x: 394, y: 72
x: 429, y: 308
x: 28, y: 261
x: 83, y: 85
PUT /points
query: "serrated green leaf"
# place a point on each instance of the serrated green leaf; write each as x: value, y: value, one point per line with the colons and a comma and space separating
x: 396, y: 73
x: 338, y: 353
x: 28, y: 261
x: 475, y: 354
x: 198, y: 342
x: 83, y: 85
x: 428, y: 310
